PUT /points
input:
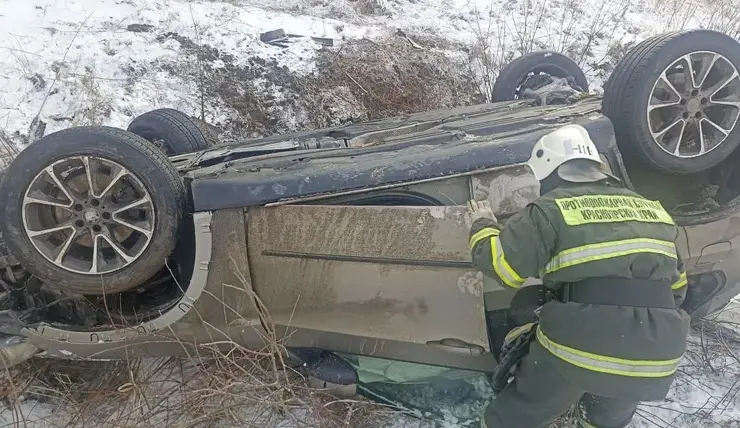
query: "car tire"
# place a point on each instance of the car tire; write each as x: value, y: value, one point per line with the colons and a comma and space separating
x: 515, y: 73
x: 611, y: 101
x: 130, y: 221
x: 172, y: 131
x: 637, y: 85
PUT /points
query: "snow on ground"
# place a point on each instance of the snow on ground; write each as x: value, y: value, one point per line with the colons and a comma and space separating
x: 705, y: 391
x: 79, y: 62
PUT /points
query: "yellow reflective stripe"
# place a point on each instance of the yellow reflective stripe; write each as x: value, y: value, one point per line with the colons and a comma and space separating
x: 590, y: 209
x: 482, y: 234
x: 610, y: 365
x: 518, y: 331
x: 608, y: 250
x: 682, y: 280
x: 502, y: 267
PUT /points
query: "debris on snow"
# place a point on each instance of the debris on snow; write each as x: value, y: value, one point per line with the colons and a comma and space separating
x: 401, y: 33
x: 280, y: 38
x: 323, y: 41
x: 272, y: 36
x: 140, y: 28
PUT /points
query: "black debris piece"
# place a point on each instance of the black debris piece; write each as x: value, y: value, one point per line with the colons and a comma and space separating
x: 36, y: 130
x: 140, y: 28
x: 38, y: 82
x: 282, y: 39
x: 273, y: 35
x: 324, y: 41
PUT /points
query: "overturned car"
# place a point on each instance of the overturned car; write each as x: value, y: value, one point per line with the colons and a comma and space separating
x: 350, y: 240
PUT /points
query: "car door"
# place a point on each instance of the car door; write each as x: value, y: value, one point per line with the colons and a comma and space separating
x: 711, y: 251
x: 386, y: 281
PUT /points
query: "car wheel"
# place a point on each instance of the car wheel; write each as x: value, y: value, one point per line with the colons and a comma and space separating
x: 172, y: 131
x: 612, y: 95
x: 92, y: 210
x: 674, y: 100
x: 514, y: 74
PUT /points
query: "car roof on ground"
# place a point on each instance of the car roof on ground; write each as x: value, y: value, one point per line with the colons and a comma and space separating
x: 453, y: 142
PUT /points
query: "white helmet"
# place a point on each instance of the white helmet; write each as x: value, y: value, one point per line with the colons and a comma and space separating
x: 570, y: 148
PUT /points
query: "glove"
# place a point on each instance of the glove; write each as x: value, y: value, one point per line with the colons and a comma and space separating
x: 516, y: 333
x: 478, y: 210
x: 514, y: 349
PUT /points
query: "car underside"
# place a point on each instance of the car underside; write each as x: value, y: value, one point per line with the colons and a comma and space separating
x: 153, y: 241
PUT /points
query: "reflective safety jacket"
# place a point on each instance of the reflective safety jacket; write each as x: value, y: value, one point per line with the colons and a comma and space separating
x: 603, y: 233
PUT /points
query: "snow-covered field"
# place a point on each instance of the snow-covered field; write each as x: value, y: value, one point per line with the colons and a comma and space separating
x: 74, y: 62
x: 79, y: 62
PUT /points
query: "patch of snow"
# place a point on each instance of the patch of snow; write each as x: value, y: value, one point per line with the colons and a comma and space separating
x: 705, y: 392
x: 77, y: 62
x: 28, y: 413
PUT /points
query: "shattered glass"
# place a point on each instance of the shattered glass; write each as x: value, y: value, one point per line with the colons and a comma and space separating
x: 430, y: 392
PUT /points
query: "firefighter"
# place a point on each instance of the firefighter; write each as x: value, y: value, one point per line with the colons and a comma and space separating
x: 615, y: 334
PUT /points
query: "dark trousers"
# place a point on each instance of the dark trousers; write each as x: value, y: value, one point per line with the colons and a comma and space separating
x: 539, y: 394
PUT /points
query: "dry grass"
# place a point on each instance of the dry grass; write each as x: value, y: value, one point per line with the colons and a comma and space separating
x: 386, y: 77
x: 232, y: 388
x: 362, y: 80
x: 503, y: 31
x: 223, y: 384
x: 370, y: 7
x: 723, y: 16
x: 8, y: 150
x: 220, y: 384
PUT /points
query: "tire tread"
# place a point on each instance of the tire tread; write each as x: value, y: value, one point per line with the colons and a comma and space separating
x: 625, y: 89
x: 188, y: 135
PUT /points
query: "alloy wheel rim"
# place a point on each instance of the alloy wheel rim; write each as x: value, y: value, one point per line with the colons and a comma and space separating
x: 88, y: 215
x: 694, y: 104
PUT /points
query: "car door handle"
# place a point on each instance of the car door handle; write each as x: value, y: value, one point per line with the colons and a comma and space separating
x: 458, y: 346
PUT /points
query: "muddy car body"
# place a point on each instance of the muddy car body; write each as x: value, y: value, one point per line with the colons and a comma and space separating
x: 352, y: 240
